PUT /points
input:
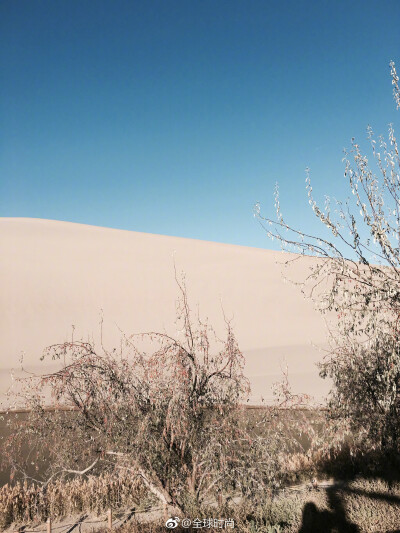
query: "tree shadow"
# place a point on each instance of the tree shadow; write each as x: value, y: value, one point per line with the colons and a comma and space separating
x: 348, y: 467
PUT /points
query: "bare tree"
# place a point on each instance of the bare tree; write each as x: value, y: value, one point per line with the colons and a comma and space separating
x: 357, y: 276
x: 172, y: 415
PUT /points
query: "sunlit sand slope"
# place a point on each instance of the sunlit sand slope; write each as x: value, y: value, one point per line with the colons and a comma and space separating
x: 58, y: 278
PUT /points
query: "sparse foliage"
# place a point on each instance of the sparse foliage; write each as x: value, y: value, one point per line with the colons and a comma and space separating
x: 363, y: 289
x: 170, y: 416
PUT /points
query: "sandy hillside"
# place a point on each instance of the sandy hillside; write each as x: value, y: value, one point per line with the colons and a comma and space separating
x: 56, y: 277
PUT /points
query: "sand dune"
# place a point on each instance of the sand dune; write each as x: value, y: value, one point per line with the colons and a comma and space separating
x: 56, y: 277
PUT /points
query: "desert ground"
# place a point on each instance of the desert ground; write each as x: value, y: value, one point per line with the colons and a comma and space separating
x: 58, y: 280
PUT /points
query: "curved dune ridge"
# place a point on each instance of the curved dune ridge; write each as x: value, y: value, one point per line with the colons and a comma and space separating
x: 58, y: 278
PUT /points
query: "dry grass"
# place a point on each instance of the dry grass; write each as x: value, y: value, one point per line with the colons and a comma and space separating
x: 365, y: 504
x: 357, y: 507
x: 23, y: 503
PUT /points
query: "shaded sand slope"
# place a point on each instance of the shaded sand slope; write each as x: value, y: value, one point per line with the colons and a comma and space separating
x: 56, y: 277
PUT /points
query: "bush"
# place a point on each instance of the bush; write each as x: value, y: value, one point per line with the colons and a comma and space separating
x: 171, y: 418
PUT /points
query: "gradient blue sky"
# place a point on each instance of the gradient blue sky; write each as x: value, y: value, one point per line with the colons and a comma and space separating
x: 175, y: 117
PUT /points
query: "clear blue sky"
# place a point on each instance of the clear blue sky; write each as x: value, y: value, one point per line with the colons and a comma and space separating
x: 175, y: 117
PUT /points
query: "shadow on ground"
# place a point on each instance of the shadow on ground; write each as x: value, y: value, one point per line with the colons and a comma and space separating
x: 385, y: 467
